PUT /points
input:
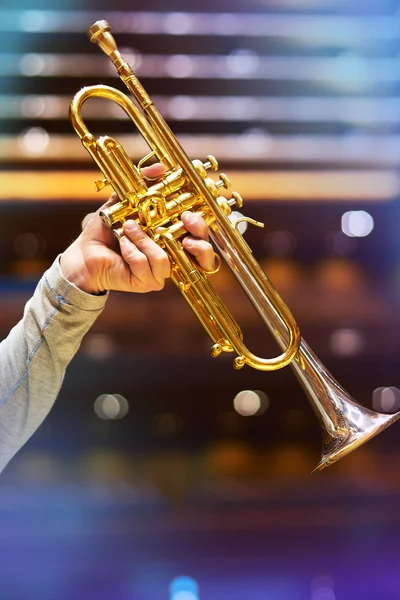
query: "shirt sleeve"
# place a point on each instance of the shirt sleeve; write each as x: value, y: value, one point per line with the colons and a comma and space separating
x: 36, y: 353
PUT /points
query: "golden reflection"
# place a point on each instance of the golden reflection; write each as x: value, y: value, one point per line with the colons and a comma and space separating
x: 288, y: 461
x: 108, y: 468
x: 231, y: 459
x: 286, y: 274
x: 171, y: 474
x: 339, y: 275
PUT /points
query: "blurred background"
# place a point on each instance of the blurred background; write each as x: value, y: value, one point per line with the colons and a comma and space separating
x: 163, y: 474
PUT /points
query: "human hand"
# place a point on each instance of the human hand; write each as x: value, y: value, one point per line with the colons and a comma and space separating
x: 92, y: 262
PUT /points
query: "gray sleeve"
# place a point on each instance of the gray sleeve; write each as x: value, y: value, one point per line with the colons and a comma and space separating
x: 34, y: 356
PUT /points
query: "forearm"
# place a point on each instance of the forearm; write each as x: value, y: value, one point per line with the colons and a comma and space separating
x: 34, y: 356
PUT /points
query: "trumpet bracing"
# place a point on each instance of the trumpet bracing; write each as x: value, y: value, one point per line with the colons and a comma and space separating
x: 157, y: 206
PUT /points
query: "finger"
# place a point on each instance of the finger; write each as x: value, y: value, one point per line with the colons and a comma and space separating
x: 95, y: 227
x: 86, y: 219
x: 195, y: 225
x: 140, y: 273
x: 112, y: 200
x: 159, y: 264
x: 201, y: 250
x: 154, y: 171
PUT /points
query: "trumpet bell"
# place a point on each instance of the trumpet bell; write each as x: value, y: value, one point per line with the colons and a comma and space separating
x: 345, y: 424
x: 362, y: 424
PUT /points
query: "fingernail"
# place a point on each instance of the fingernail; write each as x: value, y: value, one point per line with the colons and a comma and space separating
x: 188, y: 243
x: 131, y: 226
x: 188, y: 216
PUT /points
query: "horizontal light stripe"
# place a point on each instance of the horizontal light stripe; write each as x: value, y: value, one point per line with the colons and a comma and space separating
x: 344, y: 72
x: 379, y: 6
x: 290, y: 185
x: 326, y: 28
x: 356, y: 111
x: 368, y: 150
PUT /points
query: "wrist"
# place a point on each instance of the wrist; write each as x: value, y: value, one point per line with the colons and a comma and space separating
x: 75, y: 269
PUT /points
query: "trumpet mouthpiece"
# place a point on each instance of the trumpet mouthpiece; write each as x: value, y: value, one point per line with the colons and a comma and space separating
x: 100, y: 33
x: 98, y: 28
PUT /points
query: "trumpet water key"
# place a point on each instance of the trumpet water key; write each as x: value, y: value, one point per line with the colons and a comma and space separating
x: 157, y: 206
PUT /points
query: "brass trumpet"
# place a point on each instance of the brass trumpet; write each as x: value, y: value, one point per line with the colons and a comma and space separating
x: 187, y: 186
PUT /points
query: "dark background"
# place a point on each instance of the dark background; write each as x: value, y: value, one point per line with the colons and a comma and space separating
x: 183, y: 484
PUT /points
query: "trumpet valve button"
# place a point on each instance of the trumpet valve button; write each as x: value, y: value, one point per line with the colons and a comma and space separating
x: 212, y: 186
x: 223, y: 181
x: 118, y: 233
x: 238, y: 199
x: 224, y: 204
x: 106, y: 218
x: 200, y: 168
x: 211, y: 163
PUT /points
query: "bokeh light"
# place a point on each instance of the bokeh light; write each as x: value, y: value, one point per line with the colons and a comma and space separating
x: 242, y: 62
x: 34, y: 140
x: 184, y: 588
x: 340, y: 244
x: 322, y: 588
x: 280, y: 243
x: 180, y: 66
x: 182, y: 107
x: 33, y: 20
x: 98, y: 346
x: 251, y: 402
x: 346, y: 342
x: 29, y: 245
x: 386, y: 399
x: 256, y: 141
x: 357, y: 223
x: 33, y: 106
x: 168, y: 425
x: 111, y: 406
x: 32, y: 64
x: 178, y: 23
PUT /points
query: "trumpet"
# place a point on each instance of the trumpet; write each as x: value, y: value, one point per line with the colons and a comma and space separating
x: 157, y: 206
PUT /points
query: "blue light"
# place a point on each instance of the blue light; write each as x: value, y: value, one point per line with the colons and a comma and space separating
x: 184, y: 588
x: 184, y: 596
